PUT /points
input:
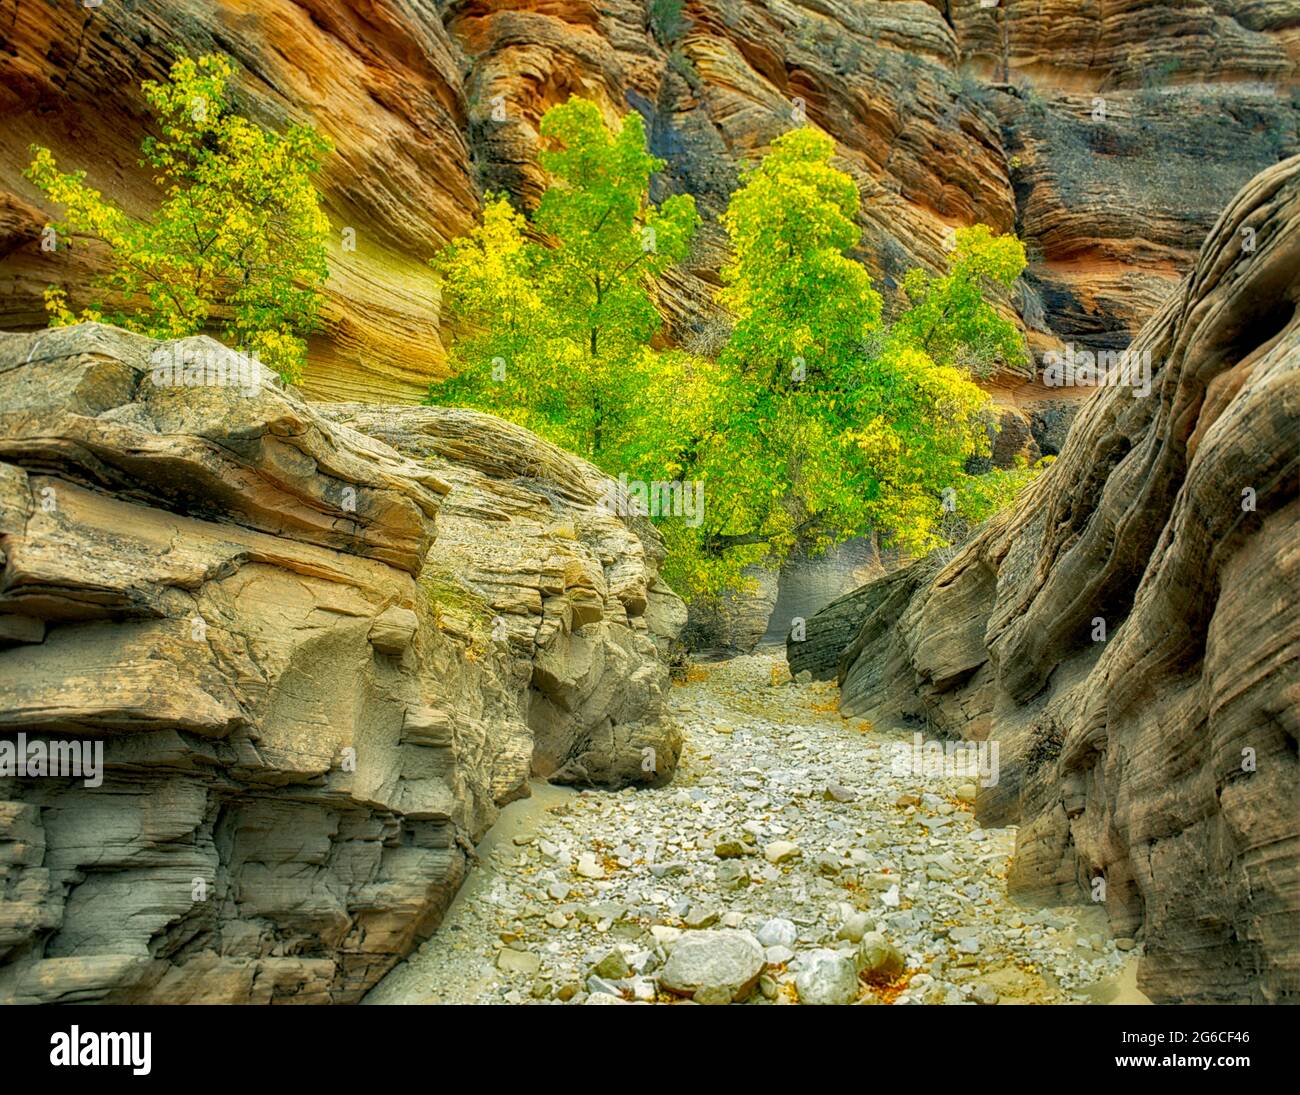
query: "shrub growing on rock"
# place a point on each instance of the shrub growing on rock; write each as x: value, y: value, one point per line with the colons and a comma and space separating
x: 238, y: 242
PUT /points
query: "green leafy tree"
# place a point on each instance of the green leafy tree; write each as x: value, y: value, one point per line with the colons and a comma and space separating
x: 835, y: 423
x: 815, y: 422
x: 949, y: 317
x: 239, y: 240
x: 556, y: 317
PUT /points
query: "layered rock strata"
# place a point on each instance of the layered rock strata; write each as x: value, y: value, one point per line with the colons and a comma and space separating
x: 1107, y: 135
x: 313, y: 665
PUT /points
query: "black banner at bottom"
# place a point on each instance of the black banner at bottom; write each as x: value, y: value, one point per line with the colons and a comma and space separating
x: 83, y: 1043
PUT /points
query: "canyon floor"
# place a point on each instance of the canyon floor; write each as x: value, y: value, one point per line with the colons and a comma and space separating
x: 787, y: 823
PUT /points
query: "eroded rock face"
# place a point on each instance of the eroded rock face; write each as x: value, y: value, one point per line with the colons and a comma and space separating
x: 1132, y: 41
x: 381, y: 80
x: 776, y: 599
x: 944, y: 113
x: 572, y: 592
x: 317, y: 664
x: 1129, y: 634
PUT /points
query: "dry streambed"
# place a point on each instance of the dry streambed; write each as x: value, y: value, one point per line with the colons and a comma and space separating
x: 790, y: 861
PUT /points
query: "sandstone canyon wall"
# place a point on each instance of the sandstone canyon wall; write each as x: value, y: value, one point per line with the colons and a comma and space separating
x: 1128, y: 633
x: 320, y: 649
x: 1108, y: 135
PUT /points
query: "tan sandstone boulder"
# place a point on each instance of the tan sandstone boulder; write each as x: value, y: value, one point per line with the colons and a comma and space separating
x: 280, y: 631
